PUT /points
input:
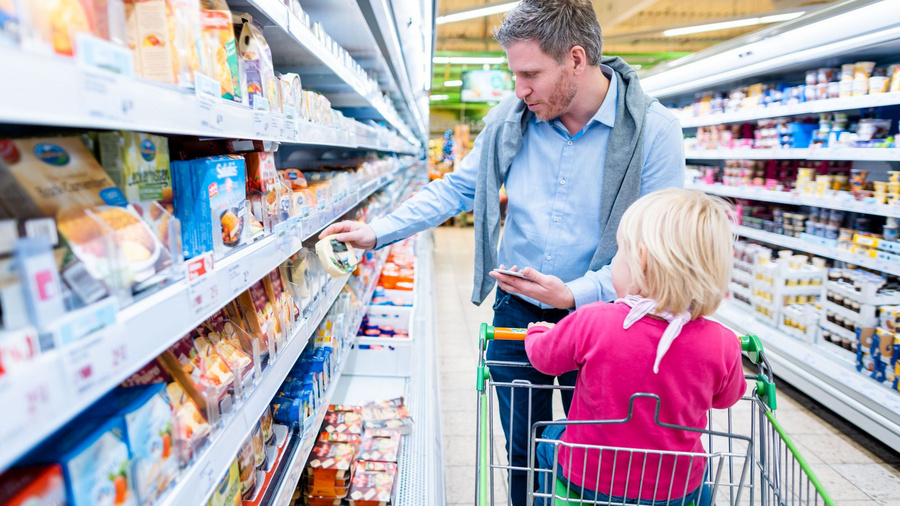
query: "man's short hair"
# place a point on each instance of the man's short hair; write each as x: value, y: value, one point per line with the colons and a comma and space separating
x: 557, y: 25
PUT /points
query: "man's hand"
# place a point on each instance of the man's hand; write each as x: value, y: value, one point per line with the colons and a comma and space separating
x: 541, y: 324
x: 359, y: 235
x: 543, y: 288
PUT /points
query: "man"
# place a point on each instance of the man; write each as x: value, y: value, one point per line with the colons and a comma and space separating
x: 575, y: 147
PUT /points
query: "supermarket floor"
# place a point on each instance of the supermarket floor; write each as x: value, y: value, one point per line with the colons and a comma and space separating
x: 855, y: 469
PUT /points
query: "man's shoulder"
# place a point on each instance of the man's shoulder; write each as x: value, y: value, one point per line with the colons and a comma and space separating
x: 658, y: 115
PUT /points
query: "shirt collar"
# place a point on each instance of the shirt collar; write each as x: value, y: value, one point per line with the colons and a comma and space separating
x: 606, y: 114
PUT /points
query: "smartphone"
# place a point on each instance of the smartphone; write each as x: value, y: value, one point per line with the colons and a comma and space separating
x: 513, y: 273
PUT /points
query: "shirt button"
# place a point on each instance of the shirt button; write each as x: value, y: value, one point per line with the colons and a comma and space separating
x: 549, y: 257
x: 562, y: 181
x: 556, y: 219
x: 569, y: 143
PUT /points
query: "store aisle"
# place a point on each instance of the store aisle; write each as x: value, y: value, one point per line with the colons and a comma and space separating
x: 854, y: 474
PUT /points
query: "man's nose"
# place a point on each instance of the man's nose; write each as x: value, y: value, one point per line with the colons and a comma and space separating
x: 522, y: 90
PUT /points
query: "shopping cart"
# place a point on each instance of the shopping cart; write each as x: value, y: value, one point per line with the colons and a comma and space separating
x: 748, y: 459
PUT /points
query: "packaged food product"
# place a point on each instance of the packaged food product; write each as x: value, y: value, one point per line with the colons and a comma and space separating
x: 265, y: 427
x: 290, y: 94
x: 54, y: 25
x: 259, y: 447
x: 144, y: 412
x: 338, y: 258
x: 343, y: 422
x: 260, y: 314
x: 293, y: 178
x: 330, y: 460
x: 139, y: 165
x: 373, y: 483
x: 208, y: 188
x: 165, y: 35
x: 254, y: 50
x: 228, y: 491
x: 95, y: 462
x: 33, y: 486
x: 263, y: 187
x: 247, y: 465
x: 380, y: 445
x: 220, y: 48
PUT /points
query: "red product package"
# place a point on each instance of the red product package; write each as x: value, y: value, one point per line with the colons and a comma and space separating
x: 343, y: 422
x: 32, y: 486
x: 380, y: 446
x: 373, y: 484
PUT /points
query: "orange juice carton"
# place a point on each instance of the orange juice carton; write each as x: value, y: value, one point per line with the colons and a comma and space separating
x: 95, y: 462
x: 33, y: 486
x: 144, y: 411
x: 220, y: 48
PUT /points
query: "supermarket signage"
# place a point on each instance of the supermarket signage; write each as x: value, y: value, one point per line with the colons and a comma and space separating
x: 105, y: 71
x: 209, y: 114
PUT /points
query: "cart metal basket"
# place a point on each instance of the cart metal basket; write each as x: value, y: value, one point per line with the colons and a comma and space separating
x: 748, y: 458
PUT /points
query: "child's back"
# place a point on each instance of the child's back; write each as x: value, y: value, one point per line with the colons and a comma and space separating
x: 702, y: 370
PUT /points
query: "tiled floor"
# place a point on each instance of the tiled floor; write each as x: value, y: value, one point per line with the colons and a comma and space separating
x: 854, y: 474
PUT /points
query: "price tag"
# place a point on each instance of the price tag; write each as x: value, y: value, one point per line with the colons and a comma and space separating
x: 105, y: 72
x: 262, y: 125
x: 282, y: 238
x: 238, y: 278
x: 205, y: 477
x: 203, y: 288
x: 208, y: 93
x: 95, y: 358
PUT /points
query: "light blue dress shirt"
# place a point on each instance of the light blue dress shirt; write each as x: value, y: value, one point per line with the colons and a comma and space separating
x: 553, y: 185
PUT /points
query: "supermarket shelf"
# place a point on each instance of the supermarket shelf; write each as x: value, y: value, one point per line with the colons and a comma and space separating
x: 859, y: 154
x: 827, y: 377
x: 196, y: 483
x: 782, y: 197
x: 286, y: 35
x: 814, y: 107
x: 140, y: 334
x: 293, y: 467
x: 137, y: 104
x: 838, y: 330
x: 817, y: 249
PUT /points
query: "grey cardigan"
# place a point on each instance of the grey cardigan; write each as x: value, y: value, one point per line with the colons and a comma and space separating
x: 621, y: 175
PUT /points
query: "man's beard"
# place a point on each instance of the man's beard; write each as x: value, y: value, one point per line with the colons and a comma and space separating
x: 563, y: 92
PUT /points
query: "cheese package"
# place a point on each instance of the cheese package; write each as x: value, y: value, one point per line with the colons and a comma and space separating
x: 247, y: 465
x: 228, y: 491
x: 165, y: 36
x: 373, y: 484
x: 257, y: 57
x: 331, y: 460
x: 54, y: 24
x: 290, y: 94
x: 198, y: 365
x: 260, y: 314
x: 139, y: 165
x: 210, y: 195
x: 349, y: 422
x: 220, y: 48
x: 338, y: 258
x: 144, y: 412
x: 263, y: 188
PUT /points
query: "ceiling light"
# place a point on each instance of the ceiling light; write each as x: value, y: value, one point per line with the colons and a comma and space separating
x: 438, y: 98
x: 470, y: 60
x: 451, y: 84
x: 476, y: 13
x: 737, y: 23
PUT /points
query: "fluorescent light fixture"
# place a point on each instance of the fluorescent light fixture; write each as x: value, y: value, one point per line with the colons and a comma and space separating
x: 453, y: 83
x: 438, y: 98
x: 476, y: 13
x: 737, y: 23
x: 470, y: 60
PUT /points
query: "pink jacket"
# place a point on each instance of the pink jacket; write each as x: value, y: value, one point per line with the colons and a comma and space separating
x: 701, y: 370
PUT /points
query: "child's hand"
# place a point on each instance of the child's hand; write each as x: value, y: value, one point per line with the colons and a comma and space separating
x: 541, y: 324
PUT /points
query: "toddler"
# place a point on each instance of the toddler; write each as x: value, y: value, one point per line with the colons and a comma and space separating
x: 671, y: 270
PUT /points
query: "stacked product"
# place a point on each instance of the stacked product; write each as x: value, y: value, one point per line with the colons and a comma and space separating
x: 851, y: 80
x: 355, y: 457
x: 786, y: 290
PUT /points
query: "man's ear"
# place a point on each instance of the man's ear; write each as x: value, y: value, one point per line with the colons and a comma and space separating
x: 577, y: 59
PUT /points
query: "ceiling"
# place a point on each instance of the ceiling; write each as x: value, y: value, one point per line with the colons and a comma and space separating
x: 631, y: 29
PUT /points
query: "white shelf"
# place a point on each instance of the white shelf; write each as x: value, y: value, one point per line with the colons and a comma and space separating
x: 142, y: 332
x: 837, y: 329
x: 841, y: 201
x: 51, y: 91
x: 196, y: 483
x: 828, y: 377
x: 817, y: 249
x: 814, y: 107
x: 858, y: 154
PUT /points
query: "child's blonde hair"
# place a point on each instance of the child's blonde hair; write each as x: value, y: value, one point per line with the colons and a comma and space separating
x: 689, y: 249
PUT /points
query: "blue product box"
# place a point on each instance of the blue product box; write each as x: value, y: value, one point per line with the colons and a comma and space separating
x: 145, y: 413
x: 95, y: 461
x: 209, y: 200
